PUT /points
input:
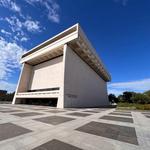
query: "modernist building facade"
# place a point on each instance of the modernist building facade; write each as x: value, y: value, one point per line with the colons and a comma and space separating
x: 65, y: 69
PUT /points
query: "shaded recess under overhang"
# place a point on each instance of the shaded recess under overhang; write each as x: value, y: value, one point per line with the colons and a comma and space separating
x: 46, y: 56
x: 75, y: 38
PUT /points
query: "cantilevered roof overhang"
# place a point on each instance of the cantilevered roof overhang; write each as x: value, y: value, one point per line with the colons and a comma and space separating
x: 75, y: 38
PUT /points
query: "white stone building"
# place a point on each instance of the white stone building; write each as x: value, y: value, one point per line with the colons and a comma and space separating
x: 64, y: 71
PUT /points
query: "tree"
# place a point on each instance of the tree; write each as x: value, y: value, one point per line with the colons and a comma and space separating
x: 113, y: 98
x: 147, y: 93
x: 127, y: 96
x: 132, y: 97
x: 120, y: 98
x: 7, y: 97
x: 141, y: 98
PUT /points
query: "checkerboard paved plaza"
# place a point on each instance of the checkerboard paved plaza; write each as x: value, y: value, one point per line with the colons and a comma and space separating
x: 26, y: 127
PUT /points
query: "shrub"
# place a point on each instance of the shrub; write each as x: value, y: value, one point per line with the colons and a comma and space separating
x: 147, y: 93
x: 133, y: 106
x: 141, y: 98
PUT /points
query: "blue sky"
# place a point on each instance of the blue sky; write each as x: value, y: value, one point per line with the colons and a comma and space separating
x: 118, y: 29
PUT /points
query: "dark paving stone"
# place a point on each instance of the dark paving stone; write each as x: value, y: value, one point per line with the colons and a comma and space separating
x: 148, y: 116
x: 116, y: 132
x: 56, y: 145
x: 9, y: 111
x: 121, y: 114
x: 78, y: 114
x: 55, y: 111
x: 10, y: 130
x: 146, y: 113
x: 27, y: 114
x: 91, y: 111
x: 117, y: 119
x: 54, y: 120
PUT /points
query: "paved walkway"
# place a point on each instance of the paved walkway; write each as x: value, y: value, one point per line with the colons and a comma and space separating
x: 26, y: 127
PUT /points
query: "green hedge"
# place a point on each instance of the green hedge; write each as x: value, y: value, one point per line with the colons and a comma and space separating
x: 133, y: 106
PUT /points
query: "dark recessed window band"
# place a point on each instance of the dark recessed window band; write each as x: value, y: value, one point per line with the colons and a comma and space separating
x: 47, y: 89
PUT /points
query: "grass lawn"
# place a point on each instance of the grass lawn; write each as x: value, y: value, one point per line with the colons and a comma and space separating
x: 133, y: 106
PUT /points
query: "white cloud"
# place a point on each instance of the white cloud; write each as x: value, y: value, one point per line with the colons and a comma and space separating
x: 31, y: 25
x: 136, y: 86
x: 18, y: 25
x: 31, y: 2
x: 9, y: 58
x: 5, y: 32
x: 15, y: 23
x: 123, y: 2
x: 10, y: 87
x: 115, y: 91
x: 52, y: 8
x: 20, y: 28
x: 15, y: 7
x: 10, y: 4
x: 24, y: 39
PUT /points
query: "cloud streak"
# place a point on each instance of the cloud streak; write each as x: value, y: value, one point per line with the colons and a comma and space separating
x: 10, y: 5
x: 136, y: 86
x: 52, y: 8
x: 6, y: 85
x: 21, y: 25
x: 20, y: 28
x: 5, y: 32
x: 9, y: 58
x: 17, y: 25
x: 123, y: 2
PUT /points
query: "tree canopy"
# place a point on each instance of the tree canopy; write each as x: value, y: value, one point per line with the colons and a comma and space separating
x: 131, y: 97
